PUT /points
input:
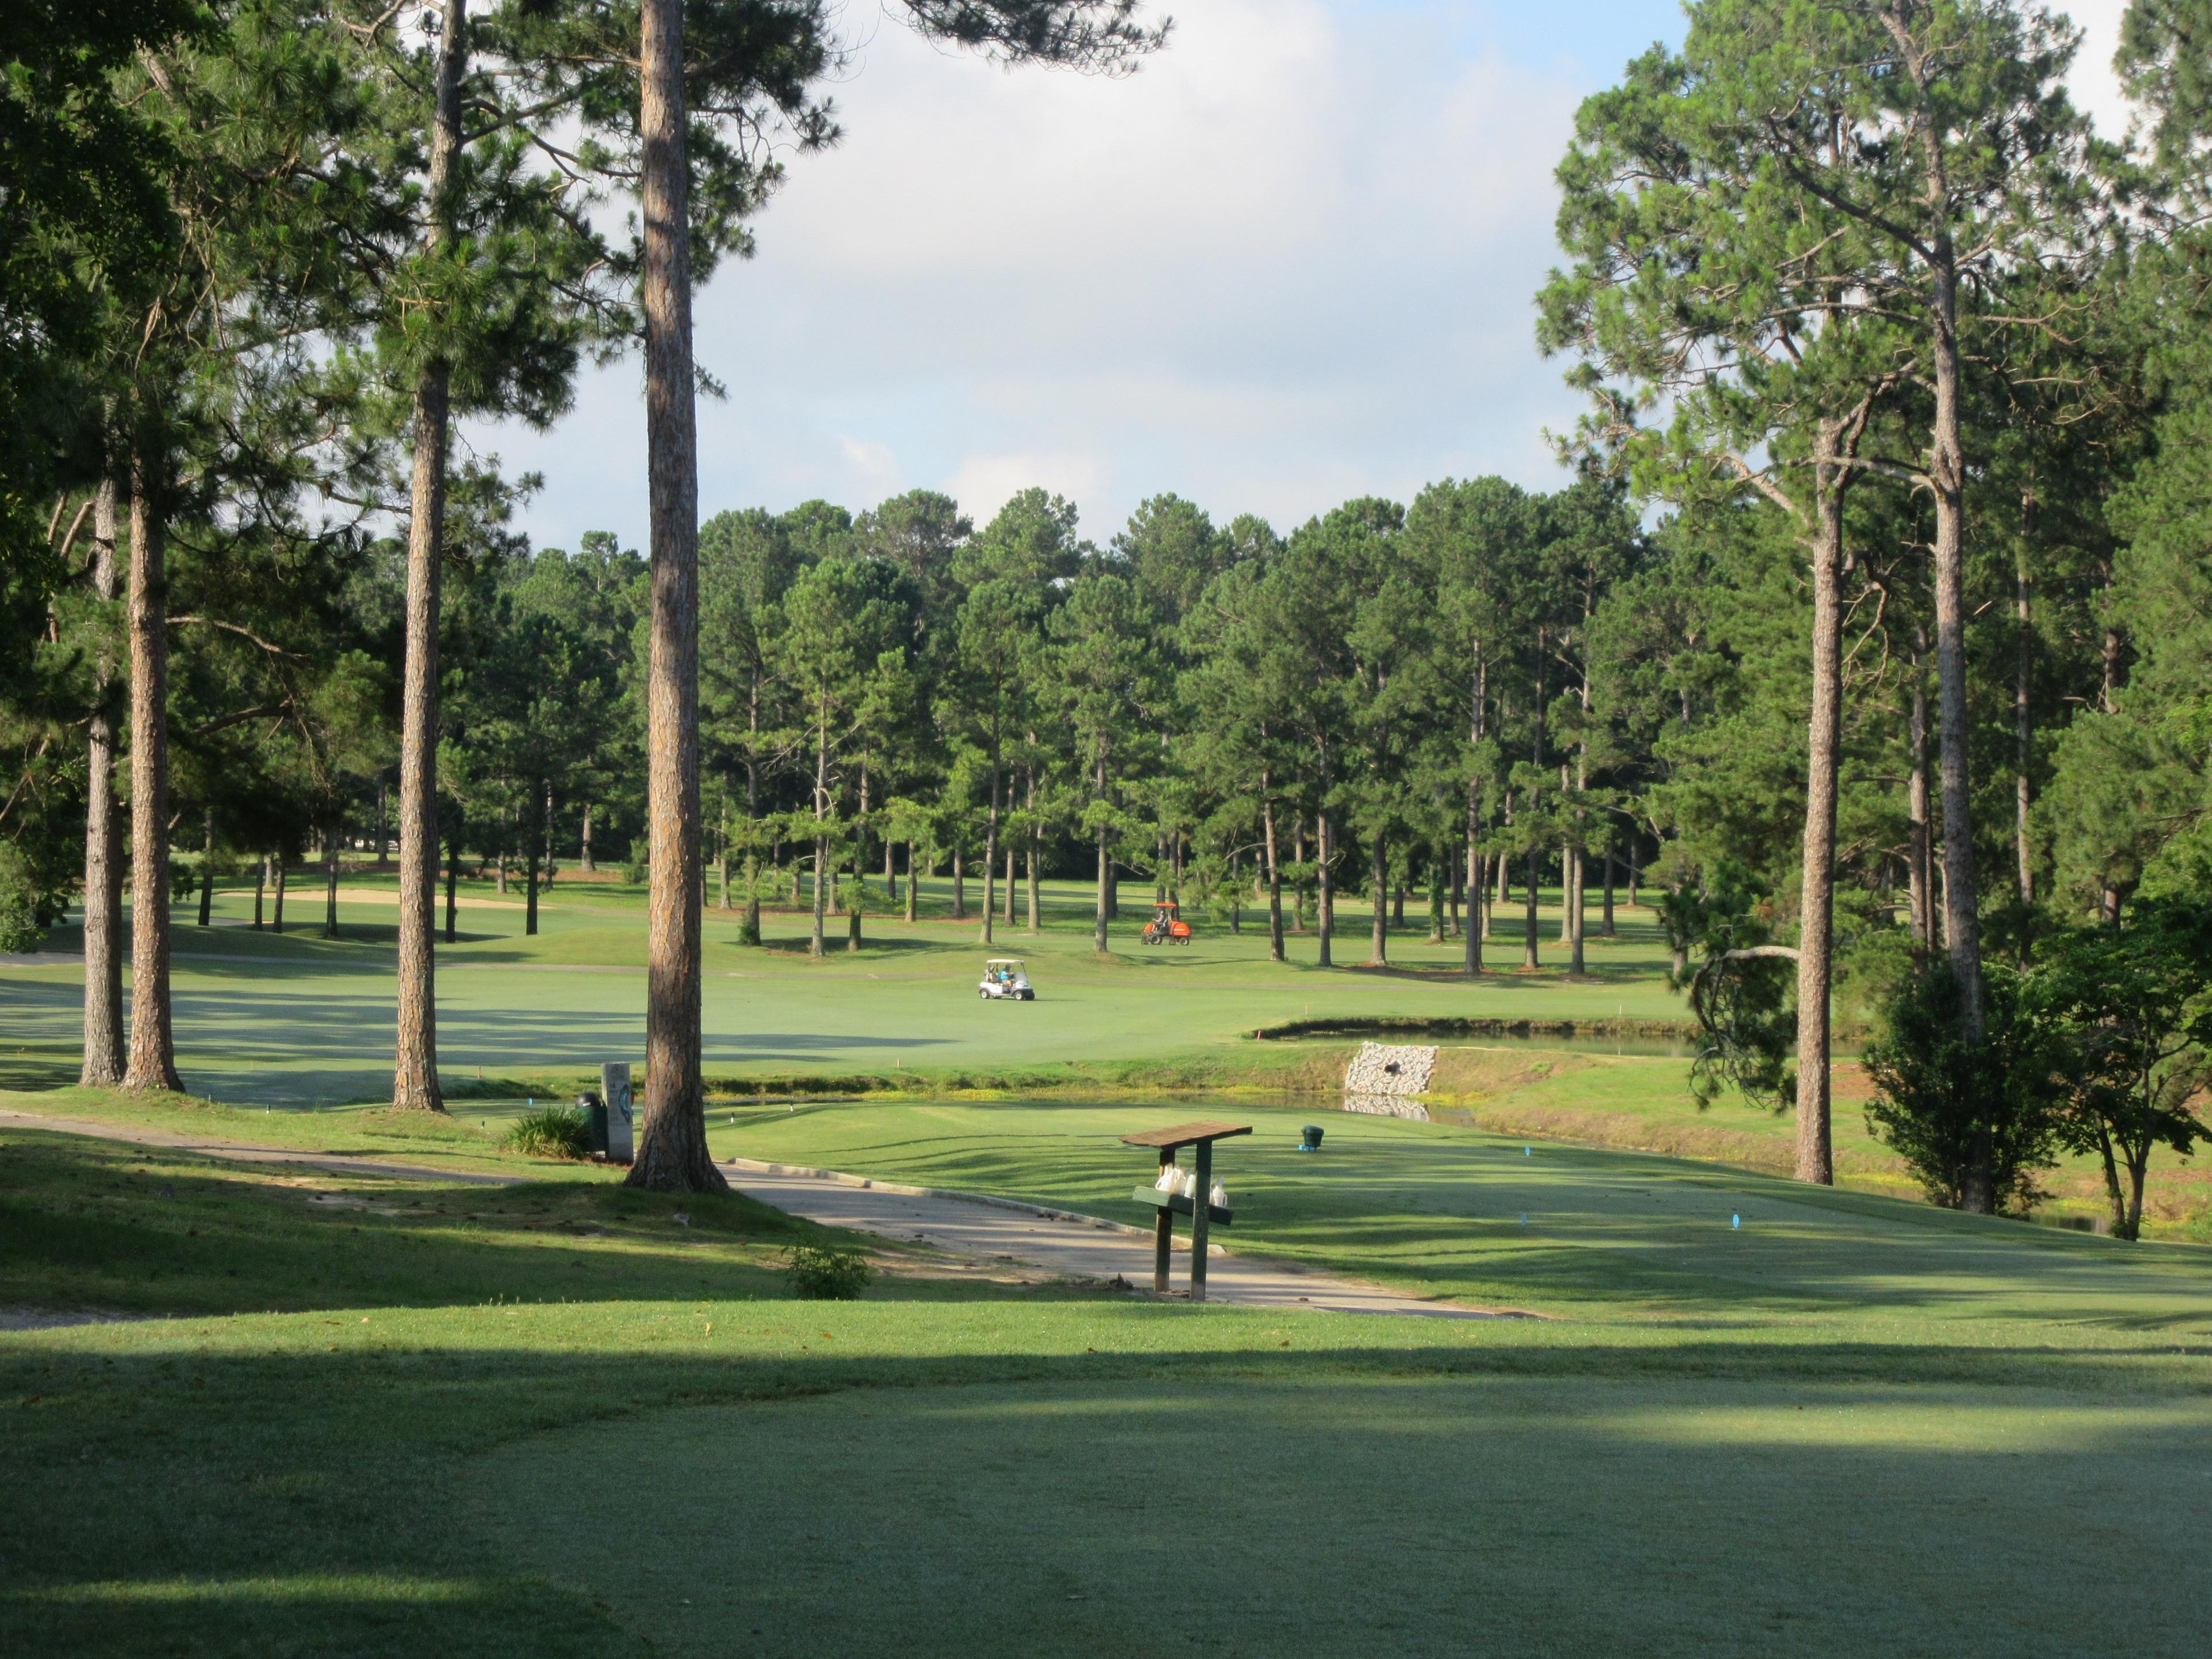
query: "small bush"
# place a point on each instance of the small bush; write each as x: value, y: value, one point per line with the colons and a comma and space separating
x: 821, y: 1273
x: 1945, y: 1102
x: 552, y: 1131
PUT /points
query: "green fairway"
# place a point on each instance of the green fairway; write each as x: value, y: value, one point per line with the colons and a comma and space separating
x: 298, y: 1020
x: 1460, y: 1212
x: 556, y: 1419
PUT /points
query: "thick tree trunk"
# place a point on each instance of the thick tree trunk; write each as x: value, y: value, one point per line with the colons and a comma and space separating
x: 260, y: 888
x: 103, y: 831
x: 672, y: 1150
x: 1920, y: 844
x: 959, y: 883
x: 414, y: 1070
x: 584, y: 856
x: 152, y: 1065
x: 1815, y: 1158
x: 1274, y: 874
x: 277, y: 908
x: 1947, y: 479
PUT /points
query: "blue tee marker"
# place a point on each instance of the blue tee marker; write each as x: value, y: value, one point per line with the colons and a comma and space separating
x: 1528, y: 1151
x: 1735, y: 1221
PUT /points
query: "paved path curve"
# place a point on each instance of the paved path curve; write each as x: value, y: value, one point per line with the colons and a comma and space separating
x: 986, y: 1228
x: 975, y: 1225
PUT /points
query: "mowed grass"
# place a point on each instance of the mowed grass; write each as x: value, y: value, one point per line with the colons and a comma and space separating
x: 1455, y: 1212
x: 296, y: 1020
x: 552, y: 1419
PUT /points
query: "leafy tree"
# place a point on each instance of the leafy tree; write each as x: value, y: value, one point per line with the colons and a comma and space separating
x: 1945, y: 1098
x: 2134, y: 1006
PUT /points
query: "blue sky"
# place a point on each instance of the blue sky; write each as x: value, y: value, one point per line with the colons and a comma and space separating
x: 1288, y: 263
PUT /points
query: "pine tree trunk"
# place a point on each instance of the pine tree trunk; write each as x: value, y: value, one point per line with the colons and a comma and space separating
x: 1920, y: 845
x: 1105, y: 875
x: 1324, y: 891
x: 1378, y: 944
x: 912, y: 893
x: 852, y: 910
x: 1824, y: 729
x: 276, y: 909
x: 2022, y: 718
x: 1947, y: 472
x: 103, y: 831
x: 152, y: 1065
x: 1530, y: 954
x: 206, y: 867
x: 1008, y: 918
x: 991, y: 854
x: 959, y: 883
x: 452, y: 897
x: 1275, y: 873
x: 1031, y: 859
x: 260, y: 888
x: 672, y: 1150
x: 584, y: 859
x: 414, y: 1070
x: 530, y: 889
x: 1605, y: 927
x: 330, y: 882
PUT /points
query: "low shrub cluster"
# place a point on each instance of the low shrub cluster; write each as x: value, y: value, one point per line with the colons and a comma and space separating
x: 551, y: 1132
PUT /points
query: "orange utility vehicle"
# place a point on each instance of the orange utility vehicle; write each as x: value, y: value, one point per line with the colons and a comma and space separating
x: 1167, y: 926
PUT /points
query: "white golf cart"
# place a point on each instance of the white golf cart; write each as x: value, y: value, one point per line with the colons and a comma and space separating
x: 1004, y: 980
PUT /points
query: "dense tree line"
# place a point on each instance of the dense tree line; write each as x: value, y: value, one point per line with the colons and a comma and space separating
x: 1864, y: 637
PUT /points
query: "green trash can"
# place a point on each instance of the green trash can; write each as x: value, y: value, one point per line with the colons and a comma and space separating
x: 595, y: 1121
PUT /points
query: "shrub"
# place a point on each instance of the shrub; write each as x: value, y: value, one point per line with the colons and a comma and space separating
x: 25, y: 911
x: 1941, y: 1095
x: 552, y: 1131
x: 824, y: 1273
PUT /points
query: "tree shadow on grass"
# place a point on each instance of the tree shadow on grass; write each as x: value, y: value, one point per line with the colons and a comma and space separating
x: 458, y: 1491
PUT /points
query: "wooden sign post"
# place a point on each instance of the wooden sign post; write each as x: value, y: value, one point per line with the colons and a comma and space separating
x: 1201, y: 1212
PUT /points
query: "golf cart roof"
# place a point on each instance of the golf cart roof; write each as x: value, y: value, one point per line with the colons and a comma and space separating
x: 1002, y: 962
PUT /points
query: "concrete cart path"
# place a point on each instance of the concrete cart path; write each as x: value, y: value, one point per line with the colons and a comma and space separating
x: 239, y: 1152
x: 1077, y: 1246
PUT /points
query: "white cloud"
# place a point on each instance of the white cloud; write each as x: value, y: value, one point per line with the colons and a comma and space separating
x: 984, y: 483
x: 1290, y: 261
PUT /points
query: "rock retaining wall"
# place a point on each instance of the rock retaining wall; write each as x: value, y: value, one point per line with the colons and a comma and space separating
x: 1384, y: 1068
